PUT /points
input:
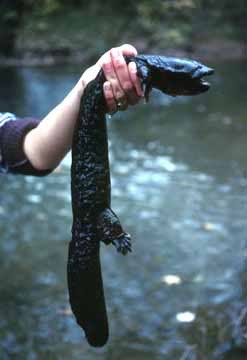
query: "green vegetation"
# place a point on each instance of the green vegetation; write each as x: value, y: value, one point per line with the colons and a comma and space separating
x: 65, y: 27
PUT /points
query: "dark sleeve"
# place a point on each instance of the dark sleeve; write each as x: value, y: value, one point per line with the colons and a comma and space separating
x: 13, y: 160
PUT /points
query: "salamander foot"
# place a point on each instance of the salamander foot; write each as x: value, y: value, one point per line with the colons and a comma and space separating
x: 123, y: 243
x: 111, y: 232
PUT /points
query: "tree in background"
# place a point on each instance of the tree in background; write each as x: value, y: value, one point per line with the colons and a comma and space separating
x: 158, y: 22
x: 10, y: 18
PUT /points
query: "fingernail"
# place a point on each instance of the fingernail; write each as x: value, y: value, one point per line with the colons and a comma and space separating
x: 133, y: 67
x: 107, y: 85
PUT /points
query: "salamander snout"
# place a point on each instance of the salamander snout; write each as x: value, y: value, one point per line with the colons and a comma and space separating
x: 180, y: 76
x: 200, y: 71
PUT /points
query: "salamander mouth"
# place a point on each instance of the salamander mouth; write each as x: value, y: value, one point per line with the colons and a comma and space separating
x: 199, y: 81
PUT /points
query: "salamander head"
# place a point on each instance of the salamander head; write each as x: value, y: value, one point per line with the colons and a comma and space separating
x: 179, y: 76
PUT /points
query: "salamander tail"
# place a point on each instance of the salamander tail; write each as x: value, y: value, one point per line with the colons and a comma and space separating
x: 87, y: 299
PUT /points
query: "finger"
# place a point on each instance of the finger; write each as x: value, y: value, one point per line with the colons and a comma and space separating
x: 107, y: 66
x: 128, y: 49
x: 123, y: 75
x: 132, y: 87
x: 121, y: 69
x: 109, y: 96
x: 135, y: 79
x: 116, y: 71
x: 132, y: 96
x: 110, y: 74
x: 119, y: 94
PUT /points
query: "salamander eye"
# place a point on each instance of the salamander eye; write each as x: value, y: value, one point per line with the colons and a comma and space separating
x: 179, y: 66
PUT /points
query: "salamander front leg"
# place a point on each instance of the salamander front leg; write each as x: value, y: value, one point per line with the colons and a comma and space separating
x: 111, y: 232
x: 146, y: 80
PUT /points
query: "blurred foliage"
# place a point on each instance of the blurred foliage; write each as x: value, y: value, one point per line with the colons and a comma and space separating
x: 75, y: 23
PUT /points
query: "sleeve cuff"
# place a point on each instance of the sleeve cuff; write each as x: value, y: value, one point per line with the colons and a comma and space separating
x: 14, y: 158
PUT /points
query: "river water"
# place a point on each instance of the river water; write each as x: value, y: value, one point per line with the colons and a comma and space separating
x: 179, y: 185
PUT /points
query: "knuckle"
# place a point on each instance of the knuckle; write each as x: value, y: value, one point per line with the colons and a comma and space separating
x: 109, y: 95
x: 113, y: 82
x: 113, y: 50
x: 119, y: 63
x: 119, y: 95
x: 106, y: 65
x: 110, y: 99
x: 115, y: 85
x: 107, y: 68
x: 117, y: 58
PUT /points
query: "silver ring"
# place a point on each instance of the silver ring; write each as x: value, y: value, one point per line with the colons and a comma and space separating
x: 120, y: 105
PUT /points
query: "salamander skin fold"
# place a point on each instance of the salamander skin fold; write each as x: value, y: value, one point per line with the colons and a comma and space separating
x: 93, y: 219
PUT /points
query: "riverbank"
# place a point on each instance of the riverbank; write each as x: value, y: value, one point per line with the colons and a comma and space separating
x: 210, y: 50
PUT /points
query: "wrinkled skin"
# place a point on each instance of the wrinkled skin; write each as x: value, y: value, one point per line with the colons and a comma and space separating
x: 172, y: 76
x: 93, y: 218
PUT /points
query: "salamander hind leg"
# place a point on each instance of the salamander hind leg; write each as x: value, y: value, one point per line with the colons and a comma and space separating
x: 111, y: 232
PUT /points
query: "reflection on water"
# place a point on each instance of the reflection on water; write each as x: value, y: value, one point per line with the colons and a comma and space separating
x: 179, y: 185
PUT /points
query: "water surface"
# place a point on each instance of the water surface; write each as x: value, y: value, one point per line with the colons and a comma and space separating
x: 179, y: 184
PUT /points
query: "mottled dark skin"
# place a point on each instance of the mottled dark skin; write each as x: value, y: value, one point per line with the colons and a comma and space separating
x: 93, y: 219
x: 172, y: 76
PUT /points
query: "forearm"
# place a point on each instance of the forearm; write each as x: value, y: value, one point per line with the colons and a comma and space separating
x: 46, y: 145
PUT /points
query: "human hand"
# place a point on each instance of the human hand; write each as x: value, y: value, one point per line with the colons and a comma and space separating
x: 122, y: 87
